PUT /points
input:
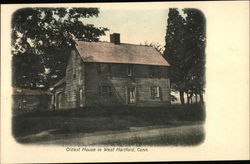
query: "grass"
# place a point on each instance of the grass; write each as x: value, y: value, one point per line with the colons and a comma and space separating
x: 191, y: 138
x: 104, y: 119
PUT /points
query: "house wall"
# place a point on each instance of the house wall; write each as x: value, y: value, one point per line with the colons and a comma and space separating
x: 119, y: 82
x: 69, y: 97
x: 86, y: 76
x: 58, y: 98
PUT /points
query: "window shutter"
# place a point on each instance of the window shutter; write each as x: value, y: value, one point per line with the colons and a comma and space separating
x: 157, y: 91
x: 126, y: 90
x: 160, y: 90
x: 133, y: 70
x: 152, y: 92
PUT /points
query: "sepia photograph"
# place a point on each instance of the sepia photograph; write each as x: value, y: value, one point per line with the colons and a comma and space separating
x: 124, y: 82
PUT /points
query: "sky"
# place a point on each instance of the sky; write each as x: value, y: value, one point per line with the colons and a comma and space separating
x: 134, y: 26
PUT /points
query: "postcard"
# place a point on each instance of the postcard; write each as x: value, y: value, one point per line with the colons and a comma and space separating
x: 124, y: 82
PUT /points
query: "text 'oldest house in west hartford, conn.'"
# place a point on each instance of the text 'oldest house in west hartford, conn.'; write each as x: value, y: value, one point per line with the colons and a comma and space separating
x: 113, y: 74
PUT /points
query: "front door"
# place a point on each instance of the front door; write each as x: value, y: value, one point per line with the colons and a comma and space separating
x: 131, y: 95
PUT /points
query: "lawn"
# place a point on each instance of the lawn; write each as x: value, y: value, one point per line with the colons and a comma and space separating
x: 181, y: 137
x: 90, y: 120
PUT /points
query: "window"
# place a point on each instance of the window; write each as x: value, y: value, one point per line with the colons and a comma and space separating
x: 104, y: 70
x: 130, y: 70
x: 109, y: 71
x: 155, y: 92
x: 24, y: 103
x: 155, y: 72
x: 99, y: 69
x: 158, y: 72
x: 106, y: 91
x: 131, y: 95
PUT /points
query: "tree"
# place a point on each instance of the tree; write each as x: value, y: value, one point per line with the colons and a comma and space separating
x: 185, y: 51
x: 156, y: 46
x: 27, y: 70
x: 174, y: 51
x: 48, y: 33
x: 196, y: 42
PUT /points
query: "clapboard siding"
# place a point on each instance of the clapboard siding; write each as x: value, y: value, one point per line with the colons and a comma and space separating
x: 119, y: 81
x: 90, y: 76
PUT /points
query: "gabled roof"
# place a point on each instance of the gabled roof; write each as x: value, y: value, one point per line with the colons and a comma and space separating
x: 105, y: 52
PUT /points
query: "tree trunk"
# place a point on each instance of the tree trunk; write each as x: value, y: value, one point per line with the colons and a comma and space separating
x: 182, y: 97
x: 187, y: 98
x: 201, y: 98
x: 196, y: 98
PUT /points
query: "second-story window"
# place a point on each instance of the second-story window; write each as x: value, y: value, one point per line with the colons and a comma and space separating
x: 104, y: 70
x: 155, y: 72
x: 130, y: 70
x: 109, y: 70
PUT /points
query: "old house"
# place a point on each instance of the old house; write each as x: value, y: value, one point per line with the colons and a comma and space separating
x: 113, y: 74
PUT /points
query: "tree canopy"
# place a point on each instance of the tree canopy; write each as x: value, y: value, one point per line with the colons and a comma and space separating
x: 185, y: 51
x: 41, y: 38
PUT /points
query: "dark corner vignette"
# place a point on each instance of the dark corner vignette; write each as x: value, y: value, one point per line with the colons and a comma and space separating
x: 69, y: 83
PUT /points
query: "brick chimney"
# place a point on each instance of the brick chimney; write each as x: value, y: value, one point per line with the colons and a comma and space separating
x: 115, y: 38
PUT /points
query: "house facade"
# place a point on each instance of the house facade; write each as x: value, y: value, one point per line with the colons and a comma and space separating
x: 113, y: 74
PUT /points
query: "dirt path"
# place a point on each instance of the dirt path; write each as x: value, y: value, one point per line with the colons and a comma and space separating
x: 102, y: 137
